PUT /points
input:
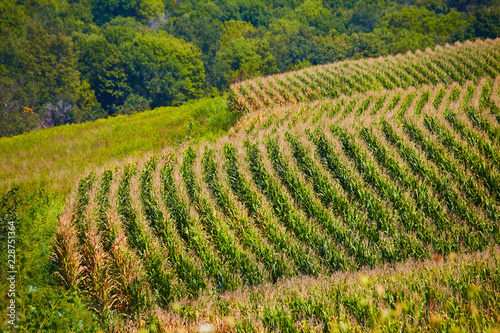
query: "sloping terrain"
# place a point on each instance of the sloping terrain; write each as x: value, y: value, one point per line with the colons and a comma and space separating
x: 453, y: 63
x: 333, y: 180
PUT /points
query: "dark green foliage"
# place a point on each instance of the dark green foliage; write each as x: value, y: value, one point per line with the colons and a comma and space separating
x: 162, y: 68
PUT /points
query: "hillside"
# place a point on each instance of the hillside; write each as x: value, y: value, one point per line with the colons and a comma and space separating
x: 457, y: 63
x: 56, y: 156
x: 66, y: 62
x: 361, y: 165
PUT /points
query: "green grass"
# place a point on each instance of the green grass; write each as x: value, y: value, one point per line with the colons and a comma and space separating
x: 42, y: 303
x: 58, y: 155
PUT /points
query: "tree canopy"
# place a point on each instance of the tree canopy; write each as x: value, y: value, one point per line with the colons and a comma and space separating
x: 72, y: 61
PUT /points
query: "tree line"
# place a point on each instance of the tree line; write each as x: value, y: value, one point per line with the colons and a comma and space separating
x: 71, y: 61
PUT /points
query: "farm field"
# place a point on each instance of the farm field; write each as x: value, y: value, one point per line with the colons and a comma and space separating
x: 356, y: 196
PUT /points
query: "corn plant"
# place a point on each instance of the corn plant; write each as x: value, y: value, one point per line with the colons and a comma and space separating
x: 383, y: 80
x: 331, y: 198
x: 336, y: 108
x: 439, y: 98
x: 420, y: 191
x: 292, y: 87
x: 407, y: 212
x: 428, y: 74
x: 323, y: 86
x: 442, y: 186
x: 228, y: 246
x: 286, y: 212
x: 319, y: 115
x: 131, y: 296
x: 98, y: 280
x: 278, y: 93
x: 368, y: 80
x: 484, y: 147
x: 485, y: 97
x: 484, y: 125
x: 266, y: 101
x: 455, y: 94
x: 406, y: 103
x: 419, y: 78
x: 485, y: 102
x: 395, y: 81
x: 469, y: 94
x: 463, y: 65
x: 253, y: 239
x: 364, y: 105
x: 451, y: 293
x: 331, y: 84
x: 82, y: 201
x: 405, y: 79
x: 186, y: 269
x: 108, y: 234
x: 348, y: 109
x: 312, y: 208
x: 480, y: 168
x: 484, y: 68
x: 394, y: 101
x: 374, y: 206
x: 379, y: 103
x: 190, y: 232
x: 253, y: 203
x: 346, y: 85
x: 364, y: 78
x: 448, y: 68
x: 457, y: 63
x: 422, y: 102
x: 159, y: 276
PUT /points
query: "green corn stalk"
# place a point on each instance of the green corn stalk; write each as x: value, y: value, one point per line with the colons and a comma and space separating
x: 249, y: 236
x: 443, y: 187
x: 330, y: 197
x: 407, y: 212
x: 455, y: 94
x: 287, y: 213
x: 478, y: 167
x: 186, y: 269
x: 192, y: 236
x: 375, y: 208
x: 159, y: 277
x: 253, y: 203
x: 82, y: 201
x: 484, y: 125
x: 439, y: 98
x: 422, y: 102
x: 238, y: 260
x: 482, y: 145
x: 406, y: 103
x: 312, y: 208
x: 469, y: 94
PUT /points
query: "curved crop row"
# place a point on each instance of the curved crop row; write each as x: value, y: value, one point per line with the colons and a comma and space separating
x: 441, y: 65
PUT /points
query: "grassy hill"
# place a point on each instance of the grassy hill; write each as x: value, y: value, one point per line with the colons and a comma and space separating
x: 363, y: 195
x: 59, y: 155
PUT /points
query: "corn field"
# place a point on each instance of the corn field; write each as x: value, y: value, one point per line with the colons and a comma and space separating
x: 362, y: 195
x: 469, y: 61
